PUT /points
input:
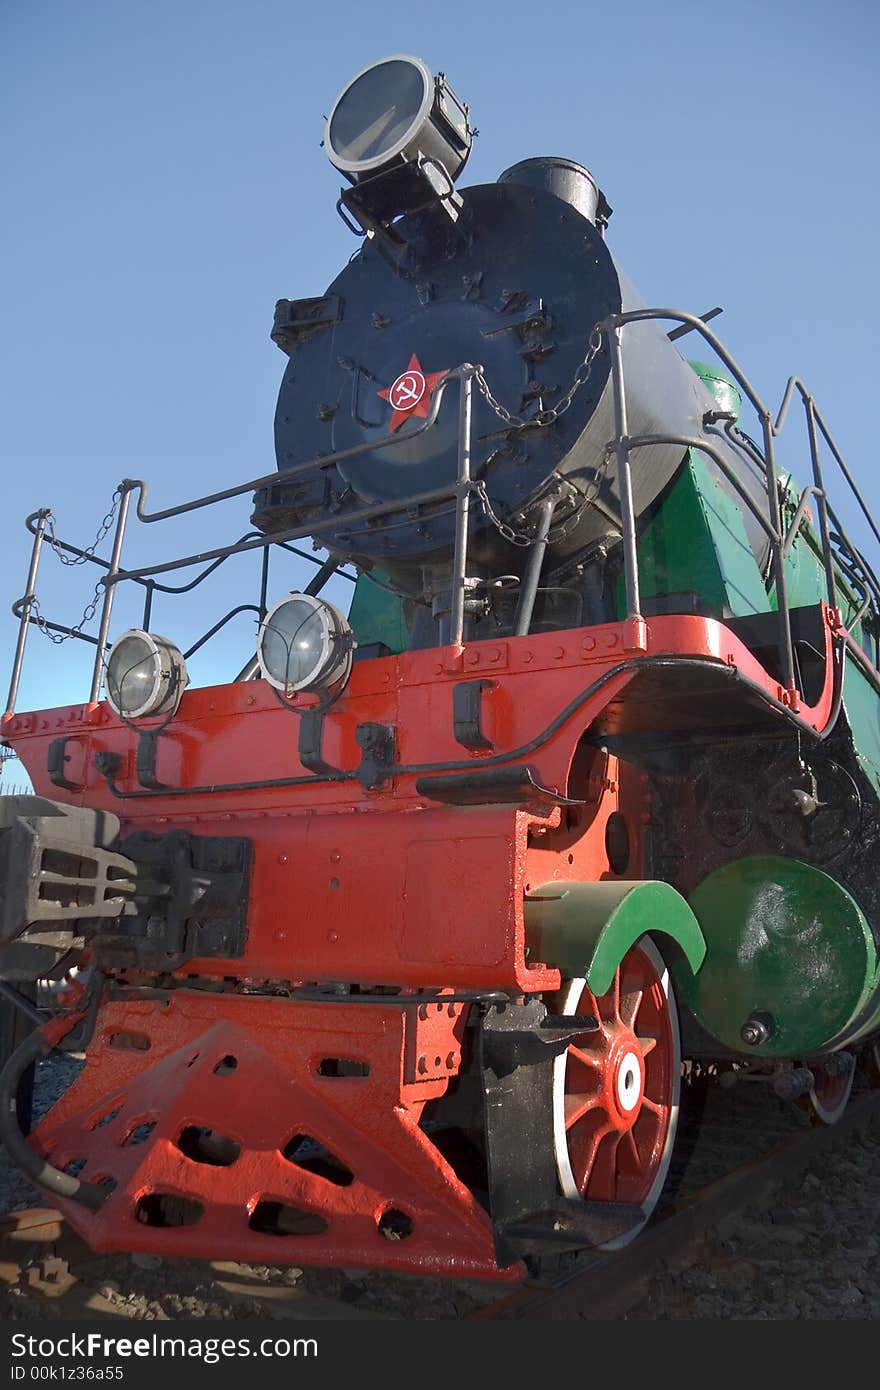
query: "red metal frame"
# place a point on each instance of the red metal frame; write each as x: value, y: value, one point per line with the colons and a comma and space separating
x: 374, y: 887
x: 251, y: 1070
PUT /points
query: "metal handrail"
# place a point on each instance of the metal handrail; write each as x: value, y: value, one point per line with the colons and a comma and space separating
x: 459, y: 491
x: 780, y: 543
x: 780, y: 538
x: 613, y: 326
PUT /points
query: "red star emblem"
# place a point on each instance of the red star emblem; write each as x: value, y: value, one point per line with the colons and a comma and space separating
x: 411, y: 393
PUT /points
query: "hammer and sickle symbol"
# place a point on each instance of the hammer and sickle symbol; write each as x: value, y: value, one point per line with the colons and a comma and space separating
x: 408, y: 391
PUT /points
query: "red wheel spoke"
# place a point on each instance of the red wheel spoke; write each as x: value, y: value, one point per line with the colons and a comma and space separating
x: 652, y: 1106
x: 584, y: 1151
x: 630, y: 1005
x: 602, y: 1181
x: 647, y: 1043
x: 576, y: 1107
x: 616, y: 990
x: 586, y: 1059
x: 633, y: 1147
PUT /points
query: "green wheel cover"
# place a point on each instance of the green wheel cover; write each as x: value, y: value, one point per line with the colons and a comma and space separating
x: 785, y: 939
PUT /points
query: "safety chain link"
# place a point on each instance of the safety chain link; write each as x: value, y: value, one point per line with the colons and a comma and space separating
x: 89, y: 552
x: 545, y: 417
x: 586, y: 497
x: 57, y: 638
x: 514, y: 537
x: 91, y: 607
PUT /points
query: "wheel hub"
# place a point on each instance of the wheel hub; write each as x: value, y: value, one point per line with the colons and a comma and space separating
x: 628, y: 1075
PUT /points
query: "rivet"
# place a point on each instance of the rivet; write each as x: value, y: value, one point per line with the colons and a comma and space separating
x: 589, y: 644
x: 332, y: 936
x: 558, y: 652
x: 335, y: 856
x: 282, y: 859
x: 281, y: 936
x: 527, y: 657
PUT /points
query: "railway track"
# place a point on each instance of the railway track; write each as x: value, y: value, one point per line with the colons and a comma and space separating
x: 609, y: 1286
x: 47, y: 1272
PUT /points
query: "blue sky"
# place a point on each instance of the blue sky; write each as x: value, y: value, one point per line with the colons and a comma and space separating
x: 163, y: 184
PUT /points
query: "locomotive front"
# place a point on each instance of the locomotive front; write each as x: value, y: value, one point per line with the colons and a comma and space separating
x: 391, y: 948
x: 514, y: 276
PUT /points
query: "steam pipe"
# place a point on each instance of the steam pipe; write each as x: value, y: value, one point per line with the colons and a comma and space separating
x: 532, y: 576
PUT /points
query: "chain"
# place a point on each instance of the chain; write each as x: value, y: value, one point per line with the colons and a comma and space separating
x: 545, y: 417
x: 514, y: 537
x: 57, y: 638
x: 91, y: 607
x: 89, y: 552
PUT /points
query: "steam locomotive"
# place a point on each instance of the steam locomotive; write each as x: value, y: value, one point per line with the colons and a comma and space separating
x: 393, y: 950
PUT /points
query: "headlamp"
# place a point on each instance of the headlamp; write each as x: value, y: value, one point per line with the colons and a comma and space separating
x: 144, y: 674
x: 402, y: 137
x: 305, y: 644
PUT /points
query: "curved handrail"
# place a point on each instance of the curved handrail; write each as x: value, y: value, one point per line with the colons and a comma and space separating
x: 769, y: 517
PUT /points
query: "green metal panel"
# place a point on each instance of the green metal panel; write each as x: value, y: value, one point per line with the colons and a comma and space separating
x: 696, y: 541
x: 782, y: 938
x: 804, y: 568
x: 585, y: 929
x: 377, y: 616
x: 862, y: 707
x: 721, y: 386
x: 806, y: 583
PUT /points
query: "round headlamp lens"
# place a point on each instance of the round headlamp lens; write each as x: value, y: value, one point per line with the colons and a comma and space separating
x: 305, y: 644
x: 377, y: 112
x: 293, y: 643
x: 145, y: 674
x: 131, y: 674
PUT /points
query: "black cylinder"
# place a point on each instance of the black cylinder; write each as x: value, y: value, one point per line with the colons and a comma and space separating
x: 564, y: 178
